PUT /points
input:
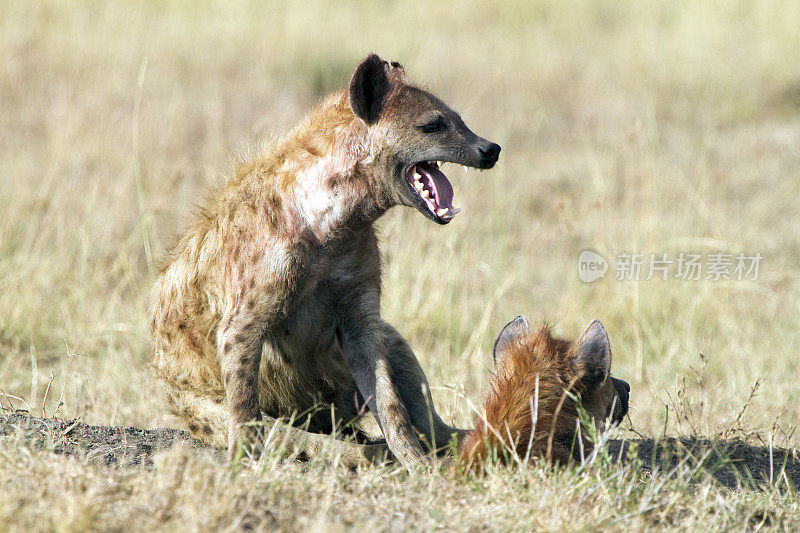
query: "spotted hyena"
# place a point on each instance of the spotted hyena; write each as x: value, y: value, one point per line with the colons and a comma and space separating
x: 269, y: 304
x: 531, y: 409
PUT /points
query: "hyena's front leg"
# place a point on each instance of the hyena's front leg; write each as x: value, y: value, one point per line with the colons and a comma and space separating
x: 368, y: 357
x: 369, y: 362
x: 239, y: 346
x: 415, y: 391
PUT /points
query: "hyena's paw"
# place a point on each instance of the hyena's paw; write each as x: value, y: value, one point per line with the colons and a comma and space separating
x: 251, y: 440
x: 377, y: 453
x: 347, y: 453
x: 246, y: 440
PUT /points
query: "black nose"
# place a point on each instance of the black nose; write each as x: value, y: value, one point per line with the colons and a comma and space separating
x: 623, y: 392
x: 489, y: 152
x: 623, y: 389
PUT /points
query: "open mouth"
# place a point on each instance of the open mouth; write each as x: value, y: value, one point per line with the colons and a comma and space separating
x: 433, y: 188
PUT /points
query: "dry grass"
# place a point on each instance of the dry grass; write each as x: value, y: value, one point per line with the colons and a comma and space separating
x: 646, y: 127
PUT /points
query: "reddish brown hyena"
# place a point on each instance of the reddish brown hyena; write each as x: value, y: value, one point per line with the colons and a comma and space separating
x: 268, y: 306
x: 531, y: 409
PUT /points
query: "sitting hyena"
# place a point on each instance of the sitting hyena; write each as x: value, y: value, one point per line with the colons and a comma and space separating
x: 269, y: 305
x: 531, y: 408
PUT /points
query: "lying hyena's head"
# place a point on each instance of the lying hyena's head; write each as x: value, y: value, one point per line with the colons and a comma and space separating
x: 411, y: 133
x: 536, y: 370
x: 583, y: 365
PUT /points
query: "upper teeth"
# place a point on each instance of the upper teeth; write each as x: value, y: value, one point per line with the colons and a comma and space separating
x: 418, y: 185
x: 425, y: 194
x: 442, y: 211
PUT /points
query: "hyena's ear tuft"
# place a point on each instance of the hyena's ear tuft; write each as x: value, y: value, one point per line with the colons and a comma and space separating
x: 368, y: 88
x: 397, y: 71
x: 592, y: 356
x: 513, y: 332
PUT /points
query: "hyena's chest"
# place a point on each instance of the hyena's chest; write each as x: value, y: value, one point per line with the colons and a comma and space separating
x: 307, y: 333
x: 304, y: 354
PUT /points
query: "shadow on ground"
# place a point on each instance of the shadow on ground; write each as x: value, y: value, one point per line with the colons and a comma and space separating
x: 733, y: 463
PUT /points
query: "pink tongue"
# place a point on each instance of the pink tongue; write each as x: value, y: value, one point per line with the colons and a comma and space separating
x: 442, y: 189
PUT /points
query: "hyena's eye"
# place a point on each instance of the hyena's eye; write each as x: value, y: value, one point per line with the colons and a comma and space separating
x: 436, y: 125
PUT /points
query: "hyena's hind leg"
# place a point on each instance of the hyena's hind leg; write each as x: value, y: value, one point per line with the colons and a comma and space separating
x: 207, y: 419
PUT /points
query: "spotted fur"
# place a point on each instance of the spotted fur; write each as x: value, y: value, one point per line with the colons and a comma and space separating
x: 268, y: 306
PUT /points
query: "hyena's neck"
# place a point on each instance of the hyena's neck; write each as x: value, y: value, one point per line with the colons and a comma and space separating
x: 323, y: 173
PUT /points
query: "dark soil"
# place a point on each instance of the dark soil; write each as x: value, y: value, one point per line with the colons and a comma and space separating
x: 103, y: 445
x: 733, y: 463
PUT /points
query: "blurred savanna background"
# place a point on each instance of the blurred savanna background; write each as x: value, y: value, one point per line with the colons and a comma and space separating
x: 636, y: 127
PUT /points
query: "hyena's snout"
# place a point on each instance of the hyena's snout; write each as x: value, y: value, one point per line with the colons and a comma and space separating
x: 621, y: 405
x: 488, y: 153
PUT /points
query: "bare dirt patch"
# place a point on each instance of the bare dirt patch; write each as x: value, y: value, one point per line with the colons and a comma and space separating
x: 101, y: 445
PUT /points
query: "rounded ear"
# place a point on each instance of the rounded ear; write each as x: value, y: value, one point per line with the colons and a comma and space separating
x: 511, y: 333
x: 593, y: 354
x: 368, y: 88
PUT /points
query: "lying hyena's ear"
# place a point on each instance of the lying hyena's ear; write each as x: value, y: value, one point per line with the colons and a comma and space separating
x: 368, y: 88
x: 511, y: 333
x: 593, y: 354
